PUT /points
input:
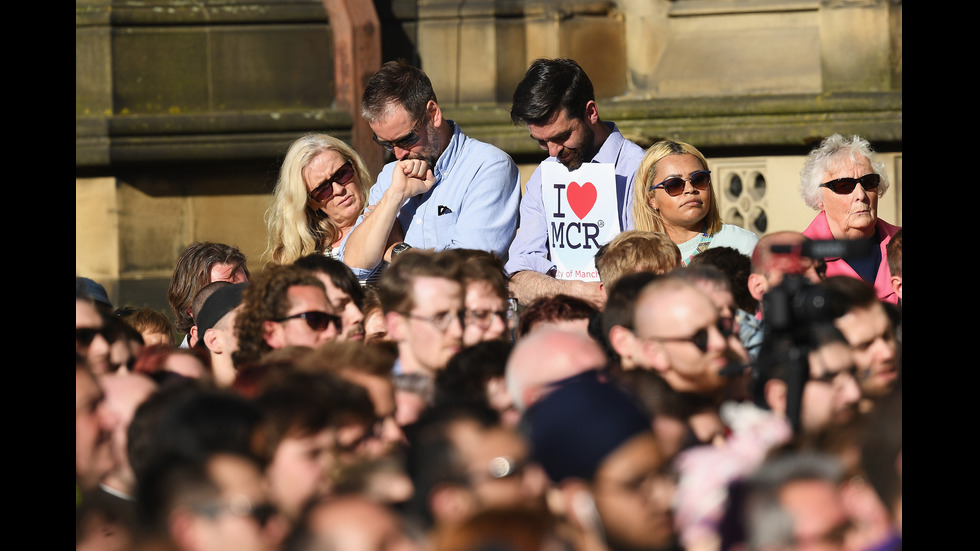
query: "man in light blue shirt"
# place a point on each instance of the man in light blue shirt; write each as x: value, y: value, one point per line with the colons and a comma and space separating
x: 446, y: 190
x: 557, y: 104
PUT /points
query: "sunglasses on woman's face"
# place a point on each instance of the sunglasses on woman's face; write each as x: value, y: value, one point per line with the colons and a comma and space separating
x: 675, y: 185
x: 342, y: 175
x: 844, y: 186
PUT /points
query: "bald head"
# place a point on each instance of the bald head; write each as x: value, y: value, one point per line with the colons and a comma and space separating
x: 354, y: 523
x: 545, y: 357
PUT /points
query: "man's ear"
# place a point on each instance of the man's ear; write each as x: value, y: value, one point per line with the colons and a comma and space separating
x: 621, y: 339
x: 579, y: 507
x: 272, y: 333
x: 396, y: 326
x: 435, y: 112
x: 758, y: 286
x: 192, y: 336
x: 212, y: 342
x: 897, y: 285
x: 591, y: 112
x: 775, y: 392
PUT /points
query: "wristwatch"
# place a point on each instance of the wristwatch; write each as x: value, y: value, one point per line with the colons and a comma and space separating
x: 399, y: 248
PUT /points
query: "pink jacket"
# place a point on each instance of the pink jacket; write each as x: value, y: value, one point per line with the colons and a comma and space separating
x: 819, y: 229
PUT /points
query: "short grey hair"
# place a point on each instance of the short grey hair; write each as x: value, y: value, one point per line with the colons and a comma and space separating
x: 830, y: 150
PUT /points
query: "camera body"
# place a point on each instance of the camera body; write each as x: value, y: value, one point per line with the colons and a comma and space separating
x: 791, y: 310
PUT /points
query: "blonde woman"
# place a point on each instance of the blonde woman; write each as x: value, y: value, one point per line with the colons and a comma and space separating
x: 321, y: 193
x: 673, y: 194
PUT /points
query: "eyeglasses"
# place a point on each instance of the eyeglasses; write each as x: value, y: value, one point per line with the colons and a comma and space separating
x: 442, y: 320
x: 844, y: 186
x: 836, y: 378
x: 239, y: 506
x: 318, y: 321
x: 406, y: 141
x: 341, y: 176
x: 726, y: 327
x: 484, y: 318
x: 85, y: 335
x: 674, y: 186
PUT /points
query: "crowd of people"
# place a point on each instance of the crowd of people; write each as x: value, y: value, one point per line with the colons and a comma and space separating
x: 413, y: 371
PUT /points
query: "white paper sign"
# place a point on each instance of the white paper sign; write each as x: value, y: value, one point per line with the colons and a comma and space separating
x: 580, y: 209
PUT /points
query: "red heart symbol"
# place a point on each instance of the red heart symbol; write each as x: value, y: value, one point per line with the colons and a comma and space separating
x: 581, y: 198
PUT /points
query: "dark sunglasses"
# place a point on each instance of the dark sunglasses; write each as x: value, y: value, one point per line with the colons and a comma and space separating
x: 405, y: 142
x: 844, y: 186
x: 261, y: 512
x: 85, y: 335
x: 318, y: 321
x: 726, y: 327
x: 341, y: 176
x: 674, y: 186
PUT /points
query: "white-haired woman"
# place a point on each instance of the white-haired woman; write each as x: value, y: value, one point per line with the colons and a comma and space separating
x: 843, y: 179
x: 321, y: 192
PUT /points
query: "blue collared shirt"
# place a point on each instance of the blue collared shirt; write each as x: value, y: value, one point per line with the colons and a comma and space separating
x: 530, y: 249
x: 474, y: 203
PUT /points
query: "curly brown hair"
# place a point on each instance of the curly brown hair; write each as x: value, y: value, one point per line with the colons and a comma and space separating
x: 266, y: 298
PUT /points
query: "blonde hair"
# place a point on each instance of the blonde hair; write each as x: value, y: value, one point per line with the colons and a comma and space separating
x: 645, y: 217
x: 637, y: 251
x: 295, y: 229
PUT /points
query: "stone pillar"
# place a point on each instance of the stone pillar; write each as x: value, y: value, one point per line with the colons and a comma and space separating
x: 856, y: 45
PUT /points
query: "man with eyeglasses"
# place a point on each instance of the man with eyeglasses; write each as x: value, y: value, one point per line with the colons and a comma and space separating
x: 556, y: 102
x: 826, y: 395
x: 283, y: 306
x: 422, y: 298
x: 462, y: 460
x: 216, y: 501
x: 445, y: 189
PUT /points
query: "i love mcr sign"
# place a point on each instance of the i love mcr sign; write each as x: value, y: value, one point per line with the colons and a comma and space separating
x: 580, y: 209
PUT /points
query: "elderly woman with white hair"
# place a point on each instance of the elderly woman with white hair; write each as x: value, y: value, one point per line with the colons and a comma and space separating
x: 843, y: 179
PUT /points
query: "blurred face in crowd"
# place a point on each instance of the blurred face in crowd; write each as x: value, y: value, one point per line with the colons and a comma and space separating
x: 486, y: 314
x: 94, y: 424
x: 831, y: 395
x: 89, y: 340
x: 872, y: 338
x: 498, y: 467
x: 345, y: 307
x: 633, y: 494
x: 239, y: 518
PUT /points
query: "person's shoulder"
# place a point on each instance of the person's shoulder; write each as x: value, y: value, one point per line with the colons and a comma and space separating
x: 483, y: 150
x: 737, y: 237
x: 738, y: 233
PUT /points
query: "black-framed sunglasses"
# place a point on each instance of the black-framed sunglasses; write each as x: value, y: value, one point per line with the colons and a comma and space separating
x: 342, y: 175
x: 85, y: 335
x: 406, y: 141
x: 318, y: 321
x: 726, y: 326
x: 844, y: 186
x: 240, y: 506
x: 674, y: 186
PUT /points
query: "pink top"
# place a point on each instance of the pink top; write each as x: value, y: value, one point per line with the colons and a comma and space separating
x: 819, y: 229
